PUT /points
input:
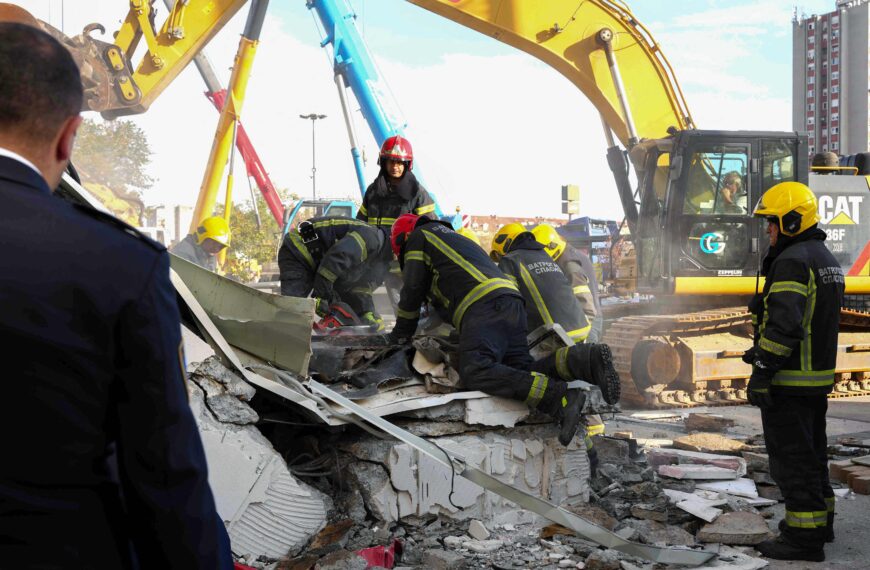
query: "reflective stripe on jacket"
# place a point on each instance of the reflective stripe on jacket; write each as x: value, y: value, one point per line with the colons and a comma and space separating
x: 449, y: 270
x: 796, y: 316
x: 545, y: 289
x: 580, y: 271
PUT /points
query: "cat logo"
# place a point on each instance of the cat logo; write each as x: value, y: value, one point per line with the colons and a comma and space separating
x: 844, y: 211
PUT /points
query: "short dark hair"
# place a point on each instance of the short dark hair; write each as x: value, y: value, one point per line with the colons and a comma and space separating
x: 40, y: 86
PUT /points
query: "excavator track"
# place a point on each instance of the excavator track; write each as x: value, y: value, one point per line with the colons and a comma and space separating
x: 625, y: 334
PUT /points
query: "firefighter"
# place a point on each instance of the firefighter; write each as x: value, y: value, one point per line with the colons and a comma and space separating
x: 103, y: 465
x: 202, y: 247
x: 580, y: 272
x: 469, y: 291
x: 466, y: 232
x: 793, y: 359
x: 339, y: 260
x: 394, y: 192
x: 549, y: 299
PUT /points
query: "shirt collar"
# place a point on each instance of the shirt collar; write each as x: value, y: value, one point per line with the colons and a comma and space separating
x: 15, y: 156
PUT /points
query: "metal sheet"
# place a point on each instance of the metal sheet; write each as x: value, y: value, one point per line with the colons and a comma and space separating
x: 274, y: 328
x: 544, y: 508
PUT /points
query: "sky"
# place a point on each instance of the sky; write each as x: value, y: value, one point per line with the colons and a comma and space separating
x: 494, y: 130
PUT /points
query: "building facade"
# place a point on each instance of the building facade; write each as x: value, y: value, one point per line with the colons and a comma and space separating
x: 831, y: 78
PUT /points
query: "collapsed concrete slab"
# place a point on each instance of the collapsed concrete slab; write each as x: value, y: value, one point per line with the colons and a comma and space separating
x: 268, y: 512
x: 397, y: 480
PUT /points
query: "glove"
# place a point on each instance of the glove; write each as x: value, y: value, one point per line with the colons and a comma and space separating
x: 749, y: 356
x: 392, y: 339
x: 321, y: 307
x: 759, y: 387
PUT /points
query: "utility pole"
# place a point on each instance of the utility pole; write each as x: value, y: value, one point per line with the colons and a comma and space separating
x: 313, y: 117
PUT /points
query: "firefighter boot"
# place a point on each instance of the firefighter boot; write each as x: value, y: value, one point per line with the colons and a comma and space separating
x: 594, y: 364
x: 782, y: 549
x: 554, y: 399
x: 829, y: 534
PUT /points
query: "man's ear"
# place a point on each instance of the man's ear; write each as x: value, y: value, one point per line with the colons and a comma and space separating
x: 64, y: 148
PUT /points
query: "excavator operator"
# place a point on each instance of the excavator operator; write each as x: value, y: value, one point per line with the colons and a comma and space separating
x: 202, y: 247
x: 580, y: 271
x: 793, y: 361
x: 338, y: 259
x: 486, y: 307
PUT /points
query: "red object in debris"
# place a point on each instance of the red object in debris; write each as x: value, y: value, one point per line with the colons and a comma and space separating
x: 384, y: 556
x: 237, y: 566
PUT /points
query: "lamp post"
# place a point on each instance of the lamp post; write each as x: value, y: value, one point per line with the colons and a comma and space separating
x: 313, y: 117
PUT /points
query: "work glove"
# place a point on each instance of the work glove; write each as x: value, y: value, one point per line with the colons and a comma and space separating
x: 321, y: 307
x: 749, y: 356
x: 759, y: 387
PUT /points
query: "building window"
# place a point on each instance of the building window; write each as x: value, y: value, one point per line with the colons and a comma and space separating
x: 824, y: 132
x: 835, y: 88
x: 835, y: 103
x: 811, y: 54
x: 824, y: 148
x: 834, y: 61
x: 835, y: 146
x: 835, y: 20
x: 811, y: 107
x: 835, y: 34
x: 810, y: 94
x: 835, y: 75
x: 812, y: 67
x: 835, y: 130
x: 824, y: 105
x: 811, y: 79
x: 835, y: 117
x: 811, y: 26
x: 811, y: 121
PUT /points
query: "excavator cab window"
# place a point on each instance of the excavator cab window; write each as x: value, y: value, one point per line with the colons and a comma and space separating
x: 654, y: 192
x: 715, y: 226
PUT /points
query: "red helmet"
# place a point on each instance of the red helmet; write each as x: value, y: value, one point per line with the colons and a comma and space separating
x: 397, y: 147
x: 401, y: 228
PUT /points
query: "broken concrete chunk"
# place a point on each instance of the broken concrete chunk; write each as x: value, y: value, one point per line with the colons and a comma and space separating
x: 658, y: 457
x: 655, y: 511
x: 697, y: 472
x: 212, y: 368
x: 435, y: 559
x: 736, y: 528
x: 741, y: 487
x: 373, y: 483
x: 762, y: 478
x: 454, y: 541
x: 697, y: 506
x: 756, y: 461
x: 656, y: 533
x: 333, y: 537
x: 477, y: 530
x: 495, y: 412
x: 613, y: 450
x: 341, y: 560
x: 734, y: 559
x: 593, y: 514
x: 709, y: 443
x: 224, y: 392
x: 603, y: 560
x: 707, y: 422
x: 483, y: 546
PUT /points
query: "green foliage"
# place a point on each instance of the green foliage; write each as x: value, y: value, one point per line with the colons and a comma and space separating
x: 115, y: 154
x: 249, y: 242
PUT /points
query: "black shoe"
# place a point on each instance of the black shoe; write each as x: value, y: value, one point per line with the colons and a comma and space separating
x: 780, y: 549
x: 569, y: 415
x: 604, y: 375
x: 829, y: 535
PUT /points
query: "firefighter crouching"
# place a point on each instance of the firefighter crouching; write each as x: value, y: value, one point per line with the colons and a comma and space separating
x: 795, y: 319
x: 338, y: 260
x: 468, y: 290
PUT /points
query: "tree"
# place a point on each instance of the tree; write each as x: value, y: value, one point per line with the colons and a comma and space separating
x: 114, y: 154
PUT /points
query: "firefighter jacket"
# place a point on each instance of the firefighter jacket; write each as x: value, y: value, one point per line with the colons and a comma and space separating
x: 796, y: 317
x: 545, y: 289
x: 581, y: 274
x: 451, y: 271
x: 191, y: 251
x: 385, y: 201
x: 343, y: 248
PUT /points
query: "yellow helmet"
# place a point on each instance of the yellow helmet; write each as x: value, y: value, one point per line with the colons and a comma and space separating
x: 215, y: 228
x: 469, y: 234
x: 503, y: 238
x: 550, y: 239
x: 793, y: 205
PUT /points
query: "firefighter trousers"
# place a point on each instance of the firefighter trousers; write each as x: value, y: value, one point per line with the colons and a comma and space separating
x: 494, y: 354
x: 794, y: 433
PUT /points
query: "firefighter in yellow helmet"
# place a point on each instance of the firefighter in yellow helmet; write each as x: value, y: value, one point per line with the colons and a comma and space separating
x: 202, y: 247
x: 795, y: 318
x: 580, y: 272
x: 467, y: 232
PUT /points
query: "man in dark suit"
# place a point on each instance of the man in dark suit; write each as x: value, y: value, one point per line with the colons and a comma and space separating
x: 102, y: 464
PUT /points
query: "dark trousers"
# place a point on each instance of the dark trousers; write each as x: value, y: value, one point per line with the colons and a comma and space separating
x: 297, y: 280
x: 794, y: 432
x: 493, y: 353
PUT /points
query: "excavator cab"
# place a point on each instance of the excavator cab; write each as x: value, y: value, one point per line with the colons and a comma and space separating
x: 695, y: 234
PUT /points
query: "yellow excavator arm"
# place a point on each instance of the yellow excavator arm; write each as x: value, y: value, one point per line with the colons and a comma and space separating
x: 595, y: 44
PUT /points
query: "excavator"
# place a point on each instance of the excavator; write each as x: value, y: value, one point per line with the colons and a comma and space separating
x: 698, y: 259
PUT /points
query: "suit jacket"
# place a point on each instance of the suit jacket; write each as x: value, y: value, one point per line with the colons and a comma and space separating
x: 102, y: 462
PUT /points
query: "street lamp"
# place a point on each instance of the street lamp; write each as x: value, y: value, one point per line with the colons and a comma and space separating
x: 313, y: 117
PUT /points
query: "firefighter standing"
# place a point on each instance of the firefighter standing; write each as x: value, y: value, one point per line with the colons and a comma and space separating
x: 469, y: 291
x: 338, y: 259
x: 580, y: 271
x: 202, y: 247
x: 794, y: 358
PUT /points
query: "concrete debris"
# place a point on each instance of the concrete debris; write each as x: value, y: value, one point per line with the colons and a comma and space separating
x: 733, y: 559
x: 741, y: 487
x: 709, y: 443
x: 434, y: 559
x: 707, y: 422
x: 658, y: 457
x: 736, y: 528
x: 603, y: 560
x: 654, y: 511
x: 223, y: 391
x: 341, y: 560
x: 483, y: 546
x: 397, y: 481
x: 331, y: 538
x: 268, y: 512
x: 495, y: 412
x: 695, y: 505
x: 756, y: 461
x: 704, y: 472
x: 477, y: 530
x: 656, y: 533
